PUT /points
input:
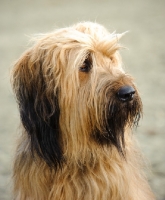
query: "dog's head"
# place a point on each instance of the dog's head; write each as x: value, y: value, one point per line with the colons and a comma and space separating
x: 72, y: 92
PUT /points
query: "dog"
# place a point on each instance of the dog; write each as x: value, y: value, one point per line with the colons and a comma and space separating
x: 77, y: 110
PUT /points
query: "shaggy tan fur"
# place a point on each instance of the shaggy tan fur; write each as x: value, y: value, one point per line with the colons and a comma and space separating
x: 64, y: 85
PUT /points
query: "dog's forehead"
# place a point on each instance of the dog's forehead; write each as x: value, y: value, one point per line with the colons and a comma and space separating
x: 93, y: 40
x: 98, y: 33
x: 89, y: 37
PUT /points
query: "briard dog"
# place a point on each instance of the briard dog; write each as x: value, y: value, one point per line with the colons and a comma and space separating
x: 77, y: 109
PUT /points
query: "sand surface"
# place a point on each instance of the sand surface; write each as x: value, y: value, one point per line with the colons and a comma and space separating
x: 145, y: 60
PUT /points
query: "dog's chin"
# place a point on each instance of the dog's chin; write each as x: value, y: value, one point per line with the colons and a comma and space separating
x: 116, y: 117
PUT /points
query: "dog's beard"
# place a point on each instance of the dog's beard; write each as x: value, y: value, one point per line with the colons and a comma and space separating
x: 116, y: 116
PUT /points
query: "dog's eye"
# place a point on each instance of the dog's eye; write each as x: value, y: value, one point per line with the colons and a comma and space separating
x: 86, y: 67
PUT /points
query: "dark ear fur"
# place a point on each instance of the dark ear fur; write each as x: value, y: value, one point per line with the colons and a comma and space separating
x: 39, y: 109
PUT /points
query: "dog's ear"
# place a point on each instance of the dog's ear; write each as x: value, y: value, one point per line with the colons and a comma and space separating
x: 37, y: 99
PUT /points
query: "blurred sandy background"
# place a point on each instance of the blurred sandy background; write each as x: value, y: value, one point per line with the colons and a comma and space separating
x: 145, y: 60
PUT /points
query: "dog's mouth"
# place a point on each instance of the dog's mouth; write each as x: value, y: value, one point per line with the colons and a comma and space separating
x: 118, y: 114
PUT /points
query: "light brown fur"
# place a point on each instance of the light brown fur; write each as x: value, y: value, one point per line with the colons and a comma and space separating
x: 89, y: 171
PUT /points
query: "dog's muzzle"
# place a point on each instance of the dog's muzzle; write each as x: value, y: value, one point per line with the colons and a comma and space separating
x: 126, y: 93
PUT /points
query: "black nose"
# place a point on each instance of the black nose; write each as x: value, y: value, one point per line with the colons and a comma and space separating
x: 126, y: 93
